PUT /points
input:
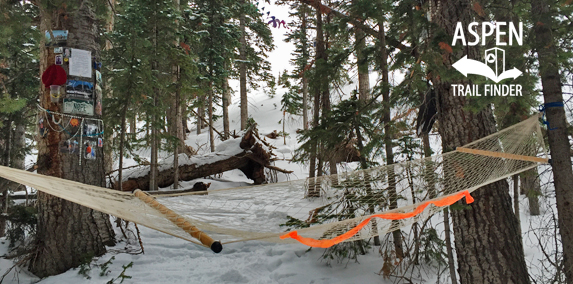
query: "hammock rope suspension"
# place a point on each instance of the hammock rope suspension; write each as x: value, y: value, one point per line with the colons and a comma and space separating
x: 321, y: 211
x: 180, y: 221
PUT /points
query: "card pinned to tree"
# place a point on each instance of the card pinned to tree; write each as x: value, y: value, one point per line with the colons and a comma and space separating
x: 71, y: 146
x: 89, y: 151
x: 80, y: 63
x: 60, y: 37
x: 77, y: 89
x: 59, y: 59
x: 73, y: 106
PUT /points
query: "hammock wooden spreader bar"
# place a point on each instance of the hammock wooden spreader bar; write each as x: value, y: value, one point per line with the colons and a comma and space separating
x: 326, y: 243
x: 180, y: 222
x: 502, y: 155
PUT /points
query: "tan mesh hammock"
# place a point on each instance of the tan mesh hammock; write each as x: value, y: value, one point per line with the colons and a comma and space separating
x: 331, y: 206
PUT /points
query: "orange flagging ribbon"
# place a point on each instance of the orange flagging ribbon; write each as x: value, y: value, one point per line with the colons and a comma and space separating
x: 445, y: 201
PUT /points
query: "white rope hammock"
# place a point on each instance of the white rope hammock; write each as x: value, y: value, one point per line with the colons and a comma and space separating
x: 328, y: 206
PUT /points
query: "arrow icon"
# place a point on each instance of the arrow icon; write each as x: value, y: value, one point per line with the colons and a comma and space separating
x: 509, y: 74
x: 469, y: 66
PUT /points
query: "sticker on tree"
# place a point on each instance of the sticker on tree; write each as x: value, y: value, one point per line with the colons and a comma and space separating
x: 73, y: 106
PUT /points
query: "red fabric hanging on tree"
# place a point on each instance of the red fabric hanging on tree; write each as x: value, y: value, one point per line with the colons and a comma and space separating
x: 54, y: 75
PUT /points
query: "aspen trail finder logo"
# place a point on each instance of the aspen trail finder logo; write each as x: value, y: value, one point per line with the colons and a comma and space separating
x: 493, y: 67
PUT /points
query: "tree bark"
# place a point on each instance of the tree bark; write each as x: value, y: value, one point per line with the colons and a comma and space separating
x: 488, y: 245
x: 304, y: 78
x: 559, y: 146
x: 328, y: 157
x: 133, y: 125
x: 313, y: 169
x: 200, y: 116
x: 362, y: 63
x: 226, y: 102
x: 180, y: 143
x: 516, y: 202
x: 122, y: 141
x: 67, y: 232
x: 243, y: 68
x: 211, y: 132
x: 397, y: 234
x: 531, y: 188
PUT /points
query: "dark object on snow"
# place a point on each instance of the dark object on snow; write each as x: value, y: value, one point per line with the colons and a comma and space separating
x: 201, y: 186
x: 273, y: 135
x: 427, y: 114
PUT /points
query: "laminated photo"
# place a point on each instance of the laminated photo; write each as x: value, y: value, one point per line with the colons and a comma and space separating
x: 71, y: 146
x: 60, y: 37
x: 91, y: 129
x: 89, y: 151
x: 76, y: 89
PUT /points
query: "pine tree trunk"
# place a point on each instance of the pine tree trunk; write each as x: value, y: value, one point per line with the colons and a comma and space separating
x: 226, y: 102
x: 211, y: 133
x: 488, y: 244
x: 67, y: 232
x: 171, y: 112
x: 516, y: 202
x: 362, y: 62
x: 133, y: 125
x: 320, y: 58
x: 180, y: 143
x: 557, y: 134
x: 314, y: 169
x: 154, y: 158
x: 397, y: 234
x: 364, y: 166
x: 108, y: 137
x: 121, y: 143
x: 243, y: 69
x: 6, y: 155
x: 305, y: 103
x: 15, y: 144
x: 325, y: 90
x: 154, y: 118
x: 304, y: 78
x: 433, y: 193
x: 531, y: 188
x: 199, y: 119
x: 176, y: 165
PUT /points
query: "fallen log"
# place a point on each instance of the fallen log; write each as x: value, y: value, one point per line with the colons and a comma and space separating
x: 248, y: 154
x: 190, y: 171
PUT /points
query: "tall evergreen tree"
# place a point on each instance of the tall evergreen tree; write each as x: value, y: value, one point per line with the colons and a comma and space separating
x: 19, y: 41
x: 218, y: 39
x: 67, y: 232
x: 145, y: 49
x: 255, y: 42
x: 302, y: 52
x: 545, y: 18
x: 494, y: 254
